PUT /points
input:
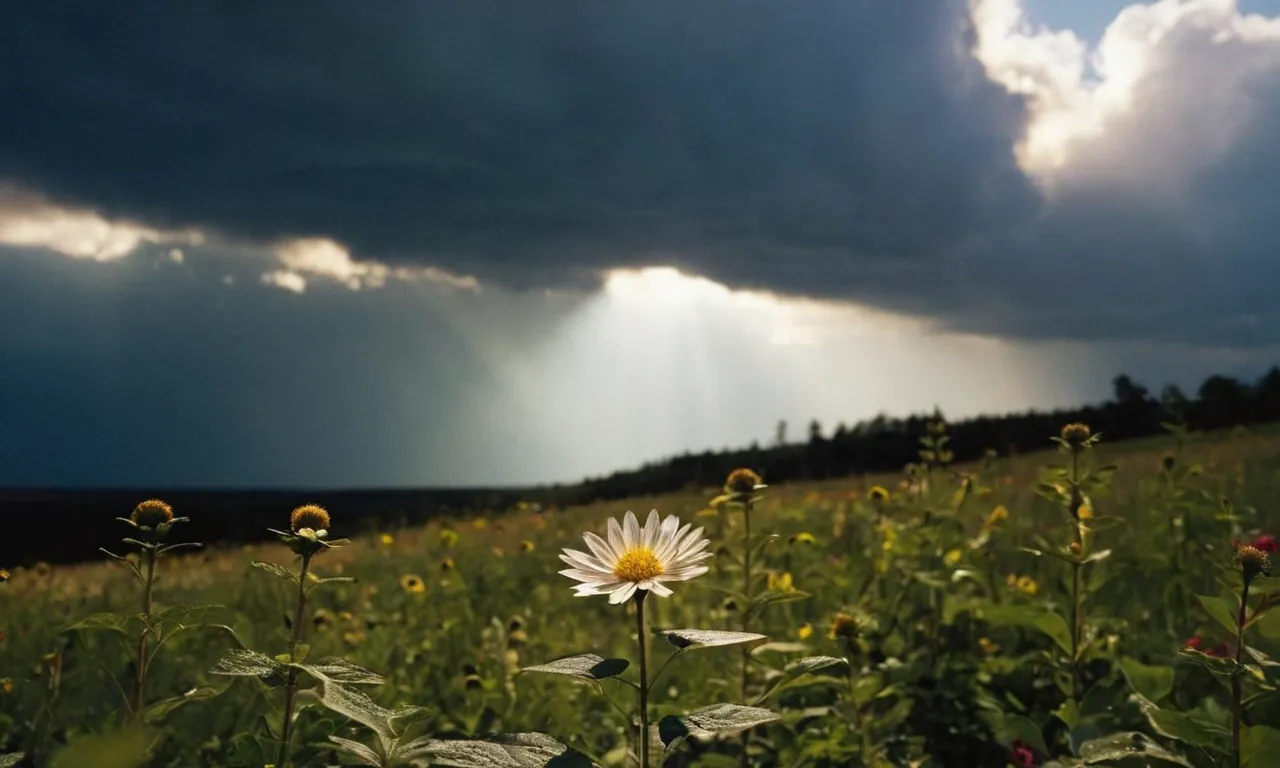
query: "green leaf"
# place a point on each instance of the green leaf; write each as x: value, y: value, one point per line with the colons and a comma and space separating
x: 11, y: 759
x: 339, y: 670
x: 1218, y: 609
x: 798, y: 672
x: 772, y: 596
x: 1259, y: 746
x: 241, y: 662
x: 119, y: 749
x: 1119, y: 746
x: 276, y: 569
x: 706, y: 722
x: 1152, y: 682
x: 158, y: 710
x: 1050, y: 624
x: 103, y: 621
x: 708, y: 638
x: 587, y: 666
x: 1068, y: 713
x: 1021, y: 728
x: 515, y: 750
x: 1184, y: 727
x: 364, y: 754
x: 1267, y: 625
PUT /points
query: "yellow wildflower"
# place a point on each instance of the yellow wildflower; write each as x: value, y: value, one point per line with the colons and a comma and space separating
x: 988, y: 647
x: 804, y: 537
x: 387, y: 539
x: 780, y: 581
x: 877, y: 494
x: 526, y: 546
x: 1024, y: 584
x: 480, y: 523
x: 952, y: 557
x: 843, y: 625
x: 805, y: 631
x: 998, y: 515
x: 412, y: 584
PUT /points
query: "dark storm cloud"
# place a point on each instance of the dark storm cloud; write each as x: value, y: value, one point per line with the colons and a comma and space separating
x: 853, y: 150
x: 822, y: 148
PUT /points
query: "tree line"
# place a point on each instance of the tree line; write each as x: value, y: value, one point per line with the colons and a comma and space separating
x: 887, y: 443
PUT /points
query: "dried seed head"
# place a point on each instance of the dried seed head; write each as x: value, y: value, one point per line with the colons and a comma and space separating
x: 309, y: 516
x: 152, y: 513
x: 1253, y: 562
x: 1167, y: 462
x: 742, y: 481
x: 1076, y: 434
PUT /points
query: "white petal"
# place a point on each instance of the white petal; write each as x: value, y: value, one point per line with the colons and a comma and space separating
x: 684, y: 574
x: 588, y: 576
x: 602, y: 588
x: 665, y: 545
x: 601, y: 549
x: 630, y: 531
x: 668, y: 550
x: 660, y: 590
x: 583, y: 560
x: 649, y: 536
x: 622, y: 594
x: 615, y: 538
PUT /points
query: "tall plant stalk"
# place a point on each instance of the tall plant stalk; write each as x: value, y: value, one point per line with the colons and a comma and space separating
x: 291, y: 679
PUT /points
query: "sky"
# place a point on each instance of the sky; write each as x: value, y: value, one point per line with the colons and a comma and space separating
x: 483, y: 243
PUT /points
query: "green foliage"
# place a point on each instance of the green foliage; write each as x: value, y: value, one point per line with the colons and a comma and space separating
x: 931, y: 626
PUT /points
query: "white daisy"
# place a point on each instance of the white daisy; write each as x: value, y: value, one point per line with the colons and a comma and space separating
x: 634, y: 558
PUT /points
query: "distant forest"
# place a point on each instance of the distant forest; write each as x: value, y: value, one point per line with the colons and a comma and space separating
x: 888, y: 444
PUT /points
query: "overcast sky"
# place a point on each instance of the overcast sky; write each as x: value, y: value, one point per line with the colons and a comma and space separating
x: 483, y: 242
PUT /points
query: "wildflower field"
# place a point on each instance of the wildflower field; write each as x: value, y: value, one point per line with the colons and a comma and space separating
x: 1097, y: 604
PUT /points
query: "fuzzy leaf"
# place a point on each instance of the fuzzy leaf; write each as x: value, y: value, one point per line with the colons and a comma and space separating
x: 245, y: 663
x: 364, y: 754
x: 772, y: 596
x: 11, y: 759
x: 339, y: 670
x: 708, y: 721
x: 587, y: 666
x: 276, y: 570
x: 515, y: 750
x: 708, y: 638
x: 158, y: 710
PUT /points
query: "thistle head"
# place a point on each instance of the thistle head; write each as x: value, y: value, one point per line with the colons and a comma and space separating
x: 1076, y: 436
x: 742, y: 481
x: 310, y: 516
x: 151, y: 513
x: 308, y: 531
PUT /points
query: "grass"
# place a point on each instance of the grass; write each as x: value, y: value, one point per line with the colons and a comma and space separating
x: 938, y: 633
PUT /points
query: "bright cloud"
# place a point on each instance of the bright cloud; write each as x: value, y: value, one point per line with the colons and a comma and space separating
x: 31, y: 222
x: 324, y: 258
x: 1165, y: 93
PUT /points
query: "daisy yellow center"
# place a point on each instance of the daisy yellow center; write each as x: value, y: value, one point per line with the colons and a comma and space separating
x: 637, y: 565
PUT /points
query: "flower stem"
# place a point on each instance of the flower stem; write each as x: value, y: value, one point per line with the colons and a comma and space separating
x: 141, y: 679
x: 1235, y: 679
x: 746, y: 612
x: 1077, y: 619
x: 291, y: 681
x: 644, y: 679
